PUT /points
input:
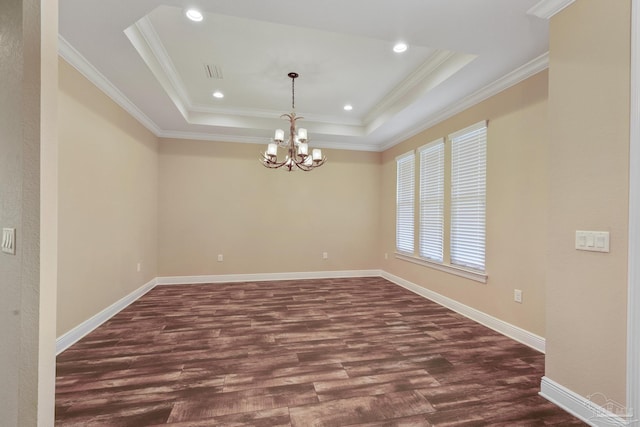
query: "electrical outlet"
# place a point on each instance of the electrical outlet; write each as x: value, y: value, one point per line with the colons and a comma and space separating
x: 220, y: 258
x: 139, y: 267
x: 517, y: 295
x: 386, y: 255
x: 9, y: 240
x: 325, y: 255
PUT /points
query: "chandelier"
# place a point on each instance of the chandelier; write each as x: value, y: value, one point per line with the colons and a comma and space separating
x: 296, y: 146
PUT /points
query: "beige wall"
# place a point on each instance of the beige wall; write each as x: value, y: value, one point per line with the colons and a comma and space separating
x: 589, y: 125
x: 48, y: 211
x: 27, y: 129
x: 517, y: 182
x: 107, y: 198
x: 216, y: 198
x: 12, y: 175
x: 556, y: 164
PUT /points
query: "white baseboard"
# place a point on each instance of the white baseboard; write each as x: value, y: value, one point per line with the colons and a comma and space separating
x: 66, y: 340
x: 581, y: 407
x: 261, y: 277
x: 525, y: 337
x: 589, y: 411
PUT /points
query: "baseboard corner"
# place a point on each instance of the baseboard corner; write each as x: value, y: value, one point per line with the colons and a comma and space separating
x: 595, y: 410
x: 72, y: 336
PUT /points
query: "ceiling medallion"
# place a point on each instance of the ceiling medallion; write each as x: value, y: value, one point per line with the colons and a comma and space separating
x: 296, y: 146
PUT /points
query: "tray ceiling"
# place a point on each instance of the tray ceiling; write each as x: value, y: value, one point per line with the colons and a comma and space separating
x: 163, y: 68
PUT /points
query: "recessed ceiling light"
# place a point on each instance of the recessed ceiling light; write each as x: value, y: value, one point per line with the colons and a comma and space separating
x: 218, y: 94
x: 400, y: 47
x: 348, y: 107
x: 194, y: 14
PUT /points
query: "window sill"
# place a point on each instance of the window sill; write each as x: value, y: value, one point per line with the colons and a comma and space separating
x: 458, y: 271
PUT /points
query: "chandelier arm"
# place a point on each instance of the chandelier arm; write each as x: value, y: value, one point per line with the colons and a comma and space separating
x: 268, y: 163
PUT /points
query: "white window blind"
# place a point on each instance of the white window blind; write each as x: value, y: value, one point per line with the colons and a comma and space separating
x: 468, y: 196
x: 405, y: 202
x: 431, y: 228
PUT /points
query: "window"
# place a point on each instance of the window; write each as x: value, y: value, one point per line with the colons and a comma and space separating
x: 431, y: 227
x: 405, y: 216
x: 468, y: 196
x: 452, y: 181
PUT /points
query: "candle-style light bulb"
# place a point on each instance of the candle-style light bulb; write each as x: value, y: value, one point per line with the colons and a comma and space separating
x: 302, y: 134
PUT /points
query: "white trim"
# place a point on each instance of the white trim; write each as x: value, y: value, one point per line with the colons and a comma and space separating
x: 471, y: 128
x: 581, y: 407
x: 430, y: 144
x: 259, y: 140
x: 66, y: 340
x: 527, y: 70
x: 525, y: 337
x: 458, y: 271
x: 633, y: 297
x: 80, y: 63
x: 71, y: 337
x: 148, y: 32
x: 545, y: 9
x: 262, y: 277
x: 403, y: 156
x: 440, y: 65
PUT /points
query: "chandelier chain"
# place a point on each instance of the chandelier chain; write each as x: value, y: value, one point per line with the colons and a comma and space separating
x: 293, y: 93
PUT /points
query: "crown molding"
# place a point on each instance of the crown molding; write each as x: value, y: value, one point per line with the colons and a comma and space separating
x: 141, y: 40
x: 203, y: 136
x: 148, y: 33
x: 545, y: 9
x: 80, y: 63
x: 84, y: 67
x: 436, y: 69
x: 271, y: 114
x: 147, y: 43
x: 408, y: 85
x: 516, y: 76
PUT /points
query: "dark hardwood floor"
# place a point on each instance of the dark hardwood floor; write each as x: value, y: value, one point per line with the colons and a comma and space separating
x: 338, y: 352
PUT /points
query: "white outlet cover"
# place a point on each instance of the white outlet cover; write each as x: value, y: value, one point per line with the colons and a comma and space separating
x: 517, y: 295
x: 9, y: 240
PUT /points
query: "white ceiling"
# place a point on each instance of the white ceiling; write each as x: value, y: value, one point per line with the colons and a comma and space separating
x: 151, y: 60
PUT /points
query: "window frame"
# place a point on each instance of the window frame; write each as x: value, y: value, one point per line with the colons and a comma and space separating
x: 405, y: 203
x: 431, y: 228
x: 468, y: 197
x: 415, y: 254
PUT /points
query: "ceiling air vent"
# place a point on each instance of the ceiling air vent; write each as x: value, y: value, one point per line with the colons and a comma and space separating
x: 213, y: 71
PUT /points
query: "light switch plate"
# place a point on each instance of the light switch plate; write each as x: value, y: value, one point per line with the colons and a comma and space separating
x: 594, y: 241
x: 9, y: 240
